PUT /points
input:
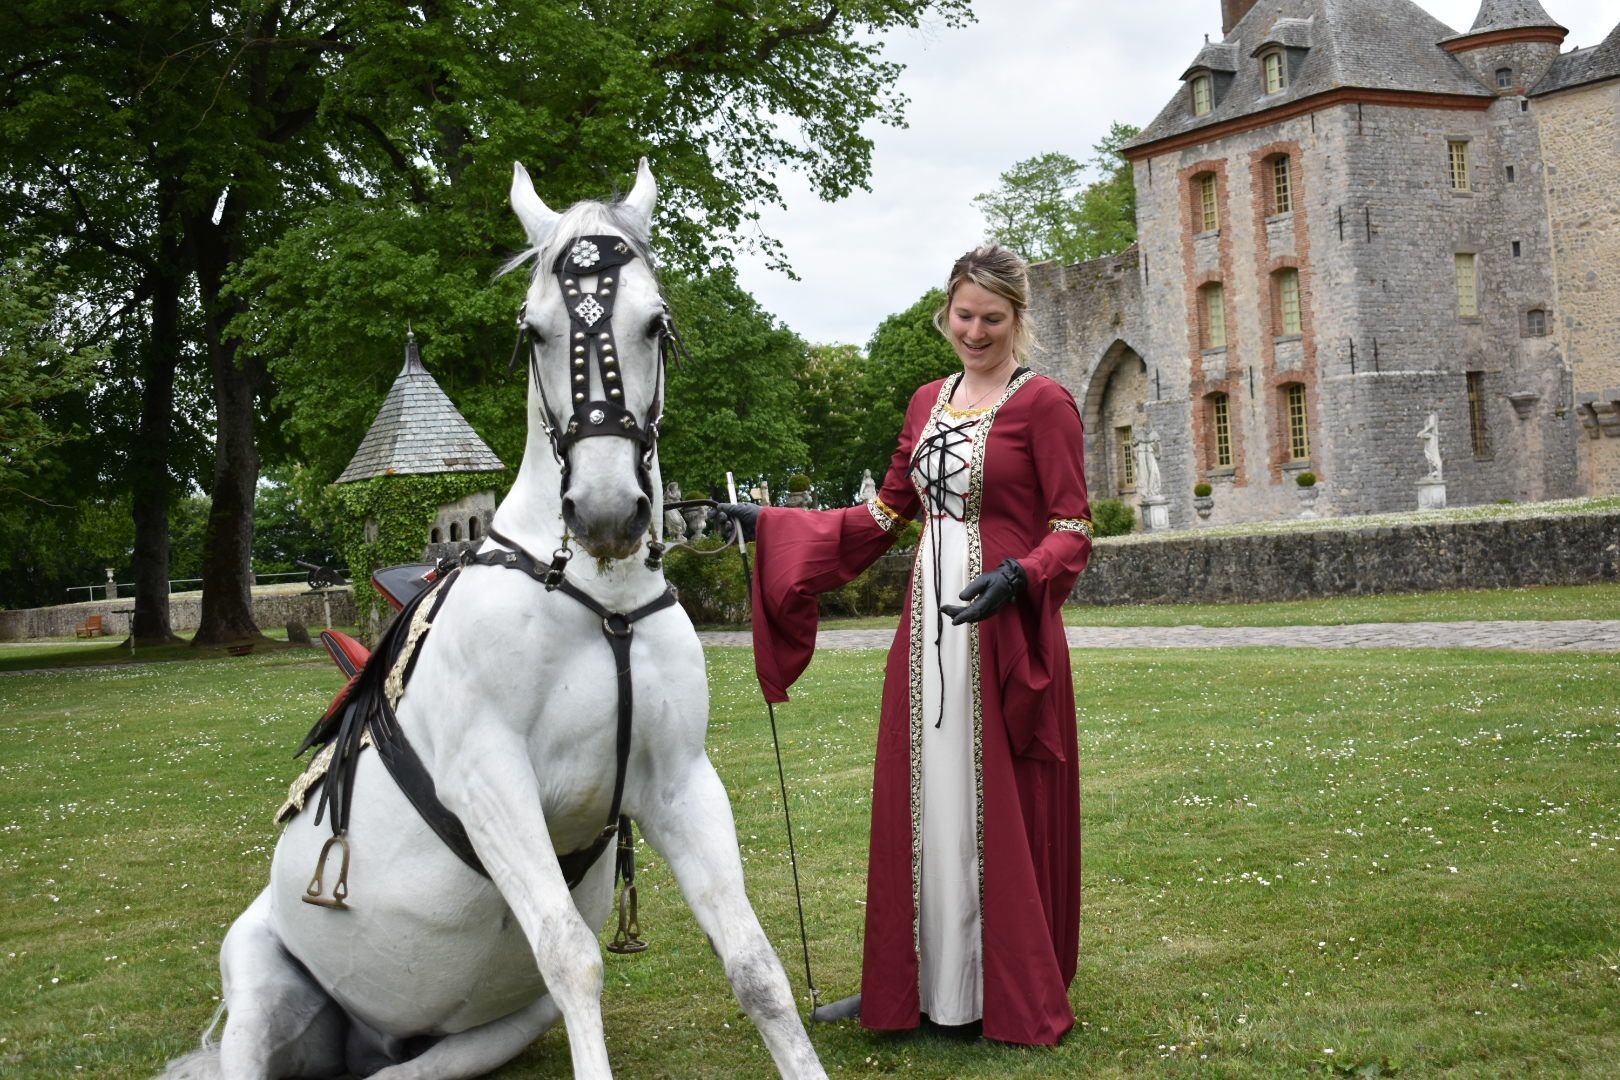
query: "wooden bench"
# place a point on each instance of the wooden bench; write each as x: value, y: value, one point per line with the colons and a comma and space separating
x: 92, y: 625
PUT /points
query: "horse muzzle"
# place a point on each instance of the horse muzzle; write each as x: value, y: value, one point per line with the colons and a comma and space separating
x: 604, y: 527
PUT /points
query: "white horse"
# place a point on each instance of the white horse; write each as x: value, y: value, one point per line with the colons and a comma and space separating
x: 434, y: 971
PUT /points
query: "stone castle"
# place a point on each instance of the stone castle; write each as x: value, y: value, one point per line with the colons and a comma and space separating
x: 1350, y: 217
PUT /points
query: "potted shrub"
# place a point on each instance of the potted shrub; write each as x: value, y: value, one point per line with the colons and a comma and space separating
x: 1308, y: 492
x: 798, y: 491
x: 1203, y: 498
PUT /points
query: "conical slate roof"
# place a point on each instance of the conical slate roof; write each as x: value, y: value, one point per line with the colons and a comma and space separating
x: 1510, y: 15
x: 418, y: 431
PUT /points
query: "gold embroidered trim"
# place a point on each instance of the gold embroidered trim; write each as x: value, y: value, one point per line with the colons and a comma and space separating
x: 884, y: 515
x: 313, y: 774
x: 394, y: 685
x: 1078, y: 525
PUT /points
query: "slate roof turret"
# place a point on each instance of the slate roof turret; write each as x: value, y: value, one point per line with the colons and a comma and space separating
x: 418, y: 431
x: 1495, y: 15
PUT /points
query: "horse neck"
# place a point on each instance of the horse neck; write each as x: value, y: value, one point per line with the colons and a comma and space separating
x: 531, y: 515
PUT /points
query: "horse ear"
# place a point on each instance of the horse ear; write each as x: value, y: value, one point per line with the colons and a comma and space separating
x: 538, y: 218
x: 644, y: 194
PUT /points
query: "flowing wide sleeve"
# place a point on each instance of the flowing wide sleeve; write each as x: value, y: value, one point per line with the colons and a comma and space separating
x: 1035, y: 662
x: 800, y: 554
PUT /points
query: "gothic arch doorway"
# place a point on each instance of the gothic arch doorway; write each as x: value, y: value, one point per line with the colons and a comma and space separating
x: 1114, y: 414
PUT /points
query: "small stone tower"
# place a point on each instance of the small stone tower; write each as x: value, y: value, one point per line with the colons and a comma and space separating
x: 418, y: 431
x: 1510, y: 46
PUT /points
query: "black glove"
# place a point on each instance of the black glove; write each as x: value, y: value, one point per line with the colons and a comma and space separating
x: 990, y: 592
x: 737, y: 516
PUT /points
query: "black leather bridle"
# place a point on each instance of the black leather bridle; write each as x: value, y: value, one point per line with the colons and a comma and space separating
x: 592, y: 346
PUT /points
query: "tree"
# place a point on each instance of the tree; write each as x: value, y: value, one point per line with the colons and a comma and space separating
x: 905, y: 352
x: 1043, y: 210
x: 832, y: 407
x: 179, y: 141
x: 734, y: 407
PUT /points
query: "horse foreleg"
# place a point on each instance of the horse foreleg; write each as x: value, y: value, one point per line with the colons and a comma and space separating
x: 279, y: 1023
x: 480, y: 1050
x: 695, y: 831
x: 489, y: 785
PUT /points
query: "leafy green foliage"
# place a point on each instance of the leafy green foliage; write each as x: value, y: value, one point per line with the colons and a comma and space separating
x: 1043, y: 209
x: 41, y: 359
x: 1112, y: 517
x: 735, y: 405
x: 398, y: 511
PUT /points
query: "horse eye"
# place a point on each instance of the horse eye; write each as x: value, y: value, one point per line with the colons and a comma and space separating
x: 655, y: 326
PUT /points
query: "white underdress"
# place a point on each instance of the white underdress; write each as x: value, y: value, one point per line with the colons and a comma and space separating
x: 951, y: 956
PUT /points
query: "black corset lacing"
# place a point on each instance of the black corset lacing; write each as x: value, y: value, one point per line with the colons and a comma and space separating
x: 942, y: 453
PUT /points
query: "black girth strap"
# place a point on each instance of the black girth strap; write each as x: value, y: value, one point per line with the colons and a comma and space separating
x: 618, y: 628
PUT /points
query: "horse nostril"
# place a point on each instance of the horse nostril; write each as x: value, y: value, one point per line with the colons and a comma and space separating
x: 568, y: 508
x: 642, y: 517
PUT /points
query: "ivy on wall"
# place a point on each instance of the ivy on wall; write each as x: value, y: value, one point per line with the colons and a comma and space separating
x: 403, y: 509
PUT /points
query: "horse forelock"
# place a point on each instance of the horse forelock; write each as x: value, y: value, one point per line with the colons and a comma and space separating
x: 587, y: 218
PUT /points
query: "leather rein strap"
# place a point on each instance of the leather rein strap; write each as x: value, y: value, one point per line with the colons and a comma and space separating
x: 618, y: 628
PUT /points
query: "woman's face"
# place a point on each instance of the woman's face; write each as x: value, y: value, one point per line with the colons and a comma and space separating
x: 981, y: 326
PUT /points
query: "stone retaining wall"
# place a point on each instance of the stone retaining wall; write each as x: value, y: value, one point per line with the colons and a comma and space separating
x: 1566, y: 549
x: 273, y: 606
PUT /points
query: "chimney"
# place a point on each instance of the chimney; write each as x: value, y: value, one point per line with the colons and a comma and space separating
x: 1232, y: 11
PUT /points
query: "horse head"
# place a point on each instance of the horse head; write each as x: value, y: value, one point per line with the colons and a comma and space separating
x: 596, y: 323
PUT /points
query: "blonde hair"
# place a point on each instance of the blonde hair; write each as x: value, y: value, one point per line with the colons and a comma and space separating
x: 1002, y: 272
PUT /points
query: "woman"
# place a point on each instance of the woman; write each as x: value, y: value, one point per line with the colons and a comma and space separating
x: 973, y: 887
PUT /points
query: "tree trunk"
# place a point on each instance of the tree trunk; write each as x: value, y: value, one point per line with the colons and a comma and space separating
x: 150, y: 487
x: 227, y: 563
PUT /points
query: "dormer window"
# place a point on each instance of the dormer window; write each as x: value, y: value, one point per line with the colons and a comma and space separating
x: 1203, y: 95
x: 1276, y: 72
x: 1504, y: 78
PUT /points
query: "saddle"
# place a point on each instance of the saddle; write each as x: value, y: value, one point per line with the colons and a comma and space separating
x: 362, y: 716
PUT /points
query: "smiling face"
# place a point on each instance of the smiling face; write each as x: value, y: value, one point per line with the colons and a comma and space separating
x: 982, y: 327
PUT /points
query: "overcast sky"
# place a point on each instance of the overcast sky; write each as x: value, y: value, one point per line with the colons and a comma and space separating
x: 1030, y: 76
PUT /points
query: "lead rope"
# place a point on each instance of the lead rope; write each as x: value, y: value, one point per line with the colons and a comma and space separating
x: 781, y: 779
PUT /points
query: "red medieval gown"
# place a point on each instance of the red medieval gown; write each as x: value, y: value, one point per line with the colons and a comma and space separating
x: 973, y: 886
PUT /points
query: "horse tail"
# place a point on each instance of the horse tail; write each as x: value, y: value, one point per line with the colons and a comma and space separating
x: 202, y: 1063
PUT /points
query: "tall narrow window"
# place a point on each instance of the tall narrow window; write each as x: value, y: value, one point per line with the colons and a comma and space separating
x: 1209, y: 209
x: 1299, y: 439
x: 1476, y: 414
x: 472, y: 528
x: 1458, y: 149
x: 1535, y: 323
x: 1287, y: 302
x: 1127, y: 459
x: 1276, y: 76
x: 1282, y: 189
x: 1214, y: 297
x: 1467, y: 287
x: 1203, y: 99
x: 1220, y: 426
x: 455, y: 531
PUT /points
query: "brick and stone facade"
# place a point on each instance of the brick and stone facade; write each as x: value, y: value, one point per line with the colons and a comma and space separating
x: 1401, y: 166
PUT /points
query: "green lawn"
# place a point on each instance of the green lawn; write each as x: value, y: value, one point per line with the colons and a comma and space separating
x: 1311, y: 863
x: 1541, y: 602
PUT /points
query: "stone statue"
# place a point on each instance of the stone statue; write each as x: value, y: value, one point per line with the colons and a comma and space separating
x: 674, y: 523
x: 868, y: 490
x: 1148, y: 483
x: 1431, y: 444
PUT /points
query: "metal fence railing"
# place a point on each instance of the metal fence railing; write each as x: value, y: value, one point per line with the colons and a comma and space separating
x: 126, y: 589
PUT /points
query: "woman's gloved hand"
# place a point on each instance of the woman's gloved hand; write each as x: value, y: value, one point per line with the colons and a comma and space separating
x: 735, y: 517
x: 989, y: 593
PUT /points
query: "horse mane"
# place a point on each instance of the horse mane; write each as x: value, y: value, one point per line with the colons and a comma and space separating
x: 586, y: 218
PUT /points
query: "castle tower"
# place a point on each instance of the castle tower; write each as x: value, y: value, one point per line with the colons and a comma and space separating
x: 1510, y: 46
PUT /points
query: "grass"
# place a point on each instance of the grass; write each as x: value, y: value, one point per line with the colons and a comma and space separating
x: 1311, y: 863
x: 1552, y: 602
